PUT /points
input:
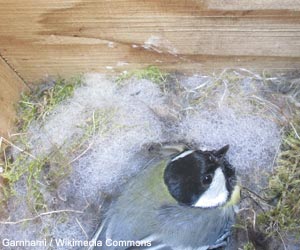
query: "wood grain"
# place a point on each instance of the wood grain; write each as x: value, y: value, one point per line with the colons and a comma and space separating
x: 41, y: 38
x: 10, y: 88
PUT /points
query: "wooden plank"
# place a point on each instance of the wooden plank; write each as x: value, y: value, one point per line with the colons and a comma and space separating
x: 41, y: 38
x: 10, y: 88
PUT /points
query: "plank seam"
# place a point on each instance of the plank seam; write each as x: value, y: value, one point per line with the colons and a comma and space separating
x: 15, y: 72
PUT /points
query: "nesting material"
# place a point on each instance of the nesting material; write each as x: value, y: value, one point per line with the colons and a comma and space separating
x: 102, y: 134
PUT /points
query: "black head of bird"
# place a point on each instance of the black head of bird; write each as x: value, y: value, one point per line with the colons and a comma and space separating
x: 200, y: 178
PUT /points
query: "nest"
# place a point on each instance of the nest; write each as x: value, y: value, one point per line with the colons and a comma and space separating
x: 80, y: 140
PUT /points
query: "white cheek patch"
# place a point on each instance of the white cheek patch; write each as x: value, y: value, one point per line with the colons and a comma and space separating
x: 185, y: 153
x: 217, y: 193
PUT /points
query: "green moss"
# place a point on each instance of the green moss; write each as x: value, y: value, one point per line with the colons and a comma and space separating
x: 151, y: 73
x: 284, y: 188
x: 23, y: 167
x: 228, y: 82
x: 248, y: 246
x: 45, y: 173
x: 37, y: 104
x: 98, y: 124
x: 39, y: 174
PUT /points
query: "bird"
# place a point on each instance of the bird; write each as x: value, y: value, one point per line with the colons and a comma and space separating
x: 186, y: 201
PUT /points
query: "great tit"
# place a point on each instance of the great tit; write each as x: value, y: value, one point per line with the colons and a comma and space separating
x: 184, y: 202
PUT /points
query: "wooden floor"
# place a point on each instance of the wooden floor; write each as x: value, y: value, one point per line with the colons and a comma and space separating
x: 39, y: 38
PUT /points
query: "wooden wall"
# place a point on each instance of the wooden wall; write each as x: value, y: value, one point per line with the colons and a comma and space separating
x: 10, y: 87
x: 50, y: 37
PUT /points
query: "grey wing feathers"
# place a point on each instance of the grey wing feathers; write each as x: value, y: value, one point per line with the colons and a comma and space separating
x: 173, y: 227
x: 194, y: 229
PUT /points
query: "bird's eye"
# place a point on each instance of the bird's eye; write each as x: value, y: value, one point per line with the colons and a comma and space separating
x: 207, y: 179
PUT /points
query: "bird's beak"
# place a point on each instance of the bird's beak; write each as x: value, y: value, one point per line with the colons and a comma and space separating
x: 222, y: 151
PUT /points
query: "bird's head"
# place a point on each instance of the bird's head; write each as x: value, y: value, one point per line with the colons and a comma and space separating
x: 201, y: 178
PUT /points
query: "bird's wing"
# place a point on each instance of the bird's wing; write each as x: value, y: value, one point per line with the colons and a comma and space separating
x: 194, y: 228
